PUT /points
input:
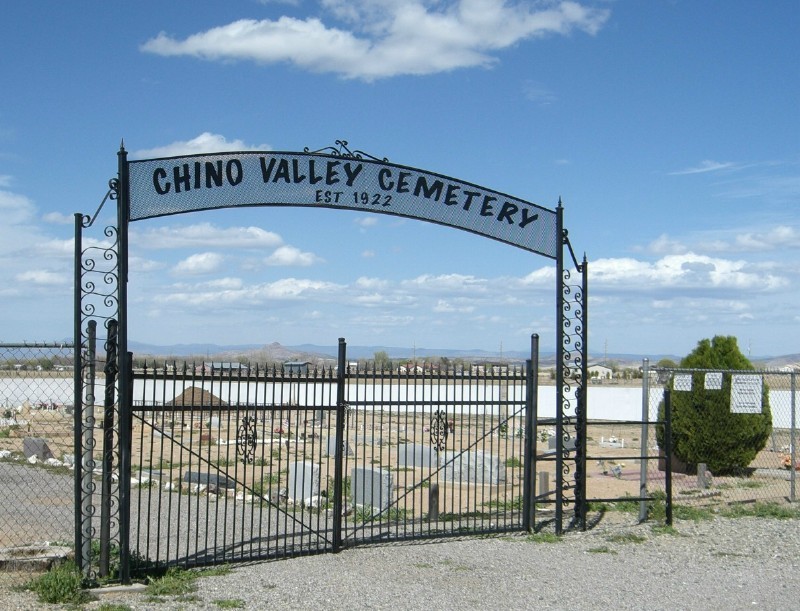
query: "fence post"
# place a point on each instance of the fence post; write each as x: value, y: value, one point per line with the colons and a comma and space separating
x: 531, y: 408
x: 792, y: 444
x: 645, y: 437
x: 338, y: 480
x: 668, y: 453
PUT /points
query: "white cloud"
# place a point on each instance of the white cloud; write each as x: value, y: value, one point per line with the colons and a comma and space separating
x: 665, y: 245
x: 141, y: 265
x: 205, y: 234
x: 366, y: 221
x: 687, y: 271
x: 44, y: 278
x: 779, y: 237
x: 289, y: 256
x: 706, y: 166
x: 538, y: 93
x: 58, y: 218
x: 5, y: 181
x: 204, y: 143
x: 447, y: 282
x: 444, y: 307
x: 371, y: 283
x: 15, y: 208
x: 388, y: 37
x: 201, y: 263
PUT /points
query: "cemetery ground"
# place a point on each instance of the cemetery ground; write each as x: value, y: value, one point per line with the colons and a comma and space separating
x: 703, y: 562
x: 37, y: 503
x: 712, y: 558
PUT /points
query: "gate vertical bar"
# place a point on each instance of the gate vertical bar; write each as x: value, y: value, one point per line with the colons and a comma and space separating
x: 86, y: 458
x: 125, y: 382
x: 559, y: 368
x: 644, y: 436
x: 77, y: 385
x: 531, y: 409
x: 108, y: 447
x: 582, y: 399
x: 338, y: 480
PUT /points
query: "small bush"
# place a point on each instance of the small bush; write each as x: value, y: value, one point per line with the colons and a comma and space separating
x: 175, y: 583
x: 63, y: 584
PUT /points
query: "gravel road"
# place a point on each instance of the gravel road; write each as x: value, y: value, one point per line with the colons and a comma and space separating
x: 744, y: 563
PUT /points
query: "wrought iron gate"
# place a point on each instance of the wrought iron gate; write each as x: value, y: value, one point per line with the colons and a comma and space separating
x: 460, y: 454
x: 232, y: 463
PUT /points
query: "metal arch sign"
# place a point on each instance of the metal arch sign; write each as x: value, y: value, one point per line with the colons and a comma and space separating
x: 160, y: 187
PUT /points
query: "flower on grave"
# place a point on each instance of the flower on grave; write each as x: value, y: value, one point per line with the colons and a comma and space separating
x: 786, y: 461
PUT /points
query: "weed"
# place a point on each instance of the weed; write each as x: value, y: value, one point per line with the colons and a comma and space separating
x: 456, y: 567
x: 543, y: 538
x: 175, y: 582
x: 761, y: 510
x: 514, y: 504
x: 61, y: 585
x: 113, y: 607
x: 728, y: 555
x: 663, y: 529
x: 693, y: 514
x: 230, y: 603
x: 215, y: 571
x: 626, y: 538
x: 603, y: 549
x: 513, y: 462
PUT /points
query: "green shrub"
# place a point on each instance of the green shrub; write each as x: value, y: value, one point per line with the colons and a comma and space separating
x: 63, y: 584
x: 704, y: 430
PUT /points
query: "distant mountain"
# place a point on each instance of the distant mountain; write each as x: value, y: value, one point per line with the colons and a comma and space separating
x: 276, y: 352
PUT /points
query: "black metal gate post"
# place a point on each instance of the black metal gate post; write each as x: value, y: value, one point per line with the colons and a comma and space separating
x: 571, y: 373
x: 338, y: 475
x: 77, y: 382
x: 125, y: 389
x: 560, y: 382
x: 581, y: 396
x: 531, y: 412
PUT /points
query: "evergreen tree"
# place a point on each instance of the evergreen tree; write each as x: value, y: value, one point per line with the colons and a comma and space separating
x: 704, y: 429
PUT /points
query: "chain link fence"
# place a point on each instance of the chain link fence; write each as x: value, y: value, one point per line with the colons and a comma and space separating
x: 36, y: 444
x: 734, y: 436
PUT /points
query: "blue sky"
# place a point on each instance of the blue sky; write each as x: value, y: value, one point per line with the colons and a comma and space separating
x: 670, y: 129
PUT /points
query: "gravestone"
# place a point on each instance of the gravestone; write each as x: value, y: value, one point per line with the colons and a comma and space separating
x: 569, y: 444
x: 209, y: 479
x: 415, y: 455
x: 348, y: 451
x: 472, y: 467
x: 371, y: 487
x: 303, y: 481
x: 36, y: 446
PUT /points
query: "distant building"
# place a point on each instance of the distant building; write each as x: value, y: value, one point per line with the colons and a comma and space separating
x: 222, y: 368
x: 600, y: 372
x: 296, y: 367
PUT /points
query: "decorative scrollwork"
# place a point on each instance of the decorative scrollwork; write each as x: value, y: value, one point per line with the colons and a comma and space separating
x: 98, y: 268
x: 246, y: 439
x: 341, y: 150
x: 439, y: 430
